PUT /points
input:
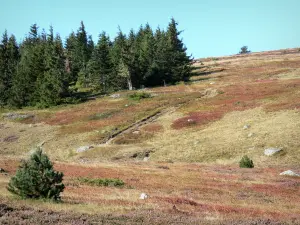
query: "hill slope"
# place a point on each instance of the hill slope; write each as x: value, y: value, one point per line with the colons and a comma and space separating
x: 181, y: 147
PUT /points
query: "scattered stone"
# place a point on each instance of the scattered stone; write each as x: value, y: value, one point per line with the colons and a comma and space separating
x: 10, y: 139
x: 126, y: 105
x: 84, y: 148
x: 146, y: 159
x: 14, y: 116
x: 272, y: 151
x: 190, y: 120
x: 136, y: 132
x: 196, y: 142
x: 2, y: 170
x: 143, y: 196
x: 289, y: 173
x: 246, y: 127
x: 115, y: 96
x: 250, y: 135
x: 211, y: 83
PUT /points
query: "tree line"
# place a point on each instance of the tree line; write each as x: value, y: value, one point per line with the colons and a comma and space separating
x: 43, y: 71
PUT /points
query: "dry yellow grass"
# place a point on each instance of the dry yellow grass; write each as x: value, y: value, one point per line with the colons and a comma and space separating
x: 225, y: 141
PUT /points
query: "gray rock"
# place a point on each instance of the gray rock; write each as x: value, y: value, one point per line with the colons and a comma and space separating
x: 143, y: 196
x: 246, y: 127
x: 289, y: 173
x: 250, y: 135
x: 272, y: 151
x: 115, y: 96
x: 84, y: 148
x: 14, y: 116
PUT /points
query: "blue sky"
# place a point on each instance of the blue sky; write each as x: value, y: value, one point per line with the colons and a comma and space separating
x: 211, y: 28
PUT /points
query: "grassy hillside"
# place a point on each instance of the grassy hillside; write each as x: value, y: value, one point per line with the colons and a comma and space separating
x: 181, y: 146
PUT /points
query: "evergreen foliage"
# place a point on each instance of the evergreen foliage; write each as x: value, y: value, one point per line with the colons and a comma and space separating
x: 246, y: 162
x: 41, y: 71
x: 244, y: 50
x: 9, y: 56
x: 36, y: 178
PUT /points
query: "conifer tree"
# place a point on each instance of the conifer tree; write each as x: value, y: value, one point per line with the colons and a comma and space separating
x: 179, y: 62
x: 53, y: 86
x: 9, y: 56
x: 119, y: 55
x: 29, y: 70
x: 100, y: 64
x: 36, y: 178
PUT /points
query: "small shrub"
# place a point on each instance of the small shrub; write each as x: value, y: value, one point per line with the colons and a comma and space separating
x: 244, y: 50
x: 36, y: 178
x: 101, y: 182
x: 246, y: 162
x: 139, y: 95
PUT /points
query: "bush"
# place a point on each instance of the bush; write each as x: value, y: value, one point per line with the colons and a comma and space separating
x: 244, y: 50
x: 102, y: 182
x: 246, y: 162
x: 36, y: 178
x: 139, y: 95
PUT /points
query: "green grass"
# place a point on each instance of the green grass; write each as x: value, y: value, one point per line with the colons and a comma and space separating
x: 106, y: 182
x: 139, y: 95
x: 104, y: 115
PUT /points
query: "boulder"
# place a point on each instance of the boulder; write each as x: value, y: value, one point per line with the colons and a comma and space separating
x: 289, y: 173
x: 84, y: 148
x: 143, y: 196
x: 272, y: 151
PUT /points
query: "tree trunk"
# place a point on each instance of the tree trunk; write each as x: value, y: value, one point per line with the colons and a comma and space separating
x: 129, y: 83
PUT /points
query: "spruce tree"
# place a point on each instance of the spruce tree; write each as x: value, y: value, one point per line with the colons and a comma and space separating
x: 36, y: 178
x: 119, y: 55
x: 100, y: 65
x: 30, y: 69
x: 53, y: 85
x: 9, y: 56
x: 178, y: 60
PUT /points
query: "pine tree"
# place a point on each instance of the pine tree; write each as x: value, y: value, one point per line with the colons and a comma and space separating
x: 53, y: 86
x: 100, y: 66
x: 79, y: 48
x: 72, y: 64
x: 160, y: 73
x: 179, y: 62
x: 30, y: 69
x: 36, y: 178
x: 9, y: 56
x: 119, y: 56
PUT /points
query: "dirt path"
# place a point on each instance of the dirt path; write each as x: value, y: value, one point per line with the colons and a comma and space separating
x: 149, y: 119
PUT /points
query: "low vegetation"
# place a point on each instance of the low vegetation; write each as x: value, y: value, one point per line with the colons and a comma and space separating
x: 106, y: 182
x: 139, y: 95
x: 246, y: 162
